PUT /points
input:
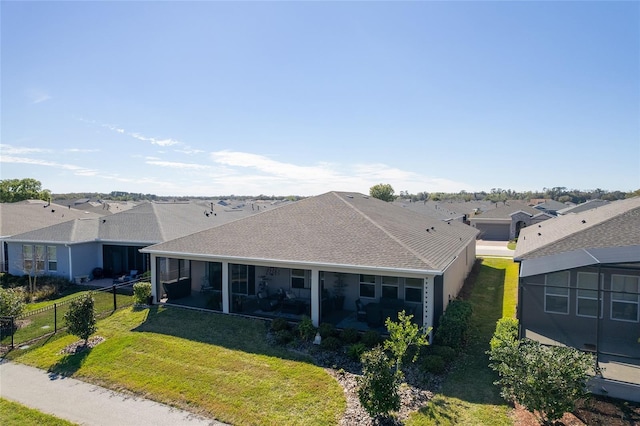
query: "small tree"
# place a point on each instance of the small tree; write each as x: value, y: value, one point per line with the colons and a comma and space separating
x: 404, y: 334
x: 11, y: 303
x: 378, y: 386
x: 547, y: 380
x: 382, y: 191
x: 81, y: 317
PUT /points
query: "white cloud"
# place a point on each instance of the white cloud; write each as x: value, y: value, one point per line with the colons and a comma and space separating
x: 154, y: 141
x: 81, y: 150
x: 37, y: 96
x: 176, y: 165
x: 36, y: 162
x: 20, y: 150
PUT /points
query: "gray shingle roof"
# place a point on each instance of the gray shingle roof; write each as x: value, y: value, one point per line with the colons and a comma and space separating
x: 505, y: 210
x: 334, y: 228
x: 616, y: 224
x: 147, y: 223
x: 24, y: 216
x: 588, y: 205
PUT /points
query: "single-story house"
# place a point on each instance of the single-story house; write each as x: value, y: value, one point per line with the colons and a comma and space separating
x: 506, y: 219
x: 587, y: 205
x: 579, y: 286
x: 111, y: 244
x: 550, y: 206
x: 24, y: 216
x: 338, y: 257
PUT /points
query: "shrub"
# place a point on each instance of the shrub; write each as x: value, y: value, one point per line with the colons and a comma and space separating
x: 327, y: 330
x: 433, y: 364
x: 371, y: 338
x: 447, y: 353
x: 331, y: 343
x: 141, y: 292
x: 284, y: 336
x: 378, y: 386
x: 306, y: 330
x: 81, y: 317
x: 350, y: 335
x: 279, y: 324
x: 11, y: 302
x: 547, y: 380
x: 453, y: 330
x: 356, y: 350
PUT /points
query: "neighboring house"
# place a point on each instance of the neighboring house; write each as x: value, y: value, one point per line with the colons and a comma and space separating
x: 332, y: 256
x: 504, y: 221
x: 550, y: 206
x: 23, y: 216
x: 445, y: 210
x: 588, y: 205
x: 112, y: 243
x: 580, y: 286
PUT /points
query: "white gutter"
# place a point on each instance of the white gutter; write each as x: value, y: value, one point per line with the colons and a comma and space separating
x: 267, y: 262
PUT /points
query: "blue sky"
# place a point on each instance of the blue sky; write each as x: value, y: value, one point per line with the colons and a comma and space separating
x: 279, y: 98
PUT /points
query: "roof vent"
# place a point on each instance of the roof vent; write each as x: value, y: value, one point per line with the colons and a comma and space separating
x: 427, y: 229
x: 539, y: 234
x: 584, y: 221
x: 432, y: 228
x: 349, y: 196
x: 365, y: 196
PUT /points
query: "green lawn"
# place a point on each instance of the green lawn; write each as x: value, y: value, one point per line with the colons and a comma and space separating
x: 14, y: 414
x: 468, y: 396
x: 211, y: 364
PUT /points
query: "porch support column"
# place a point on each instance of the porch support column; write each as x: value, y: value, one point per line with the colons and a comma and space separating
x: 225, y: 287
x: 428, y: 305
x: 315, y: 297
x: 154, y: 277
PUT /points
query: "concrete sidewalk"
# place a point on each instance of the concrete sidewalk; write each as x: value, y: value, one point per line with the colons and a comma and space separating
x: 86, y: 404
x: 493, y: 248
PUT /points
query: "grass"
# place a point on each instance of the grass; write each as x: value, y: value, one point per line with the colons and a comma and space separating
x: 468, y: 395
x: 16, y: 414
x: 41, y: 323
x: 215, y: 365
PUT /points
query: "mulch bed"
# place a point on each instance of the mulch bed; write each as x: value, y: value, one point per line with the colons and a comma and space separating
x: 596, y: 410
x: 79, y: 346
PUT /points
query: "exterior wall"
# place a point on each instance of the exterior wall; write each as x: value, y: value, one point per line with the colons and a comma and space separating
x: 498, y: 230
x: 456, y: 273
x: 84, y: 258
x: 15, y: 266
x: 572, y: 329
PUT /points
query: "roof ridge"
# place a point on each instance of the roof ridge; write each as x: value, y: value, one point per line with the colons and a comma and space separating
x: 393, y: 237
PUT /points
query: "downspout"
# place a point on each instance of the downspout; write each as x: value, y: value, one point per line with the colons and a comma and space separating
x: 598, y: 320
x: 70, y: 263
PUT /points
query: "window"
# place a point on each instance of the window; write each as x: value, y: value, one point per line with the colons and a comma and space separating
x: 298, y: 278
x: 413, y: 290
x: 624, y: 298
x: 390, y: 287
x: 27, y: 257
x: 52, y: 258
x: 556, y: 293
x: 587, y: 295
x: 39, y: 253
x: 368, y: 286
x: 239, y: 279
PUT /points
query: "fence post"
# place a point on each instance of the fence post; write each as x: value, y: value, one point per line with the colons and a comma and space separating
x: 12, y: 330
x: 55, y: 317
x: 114, y: 298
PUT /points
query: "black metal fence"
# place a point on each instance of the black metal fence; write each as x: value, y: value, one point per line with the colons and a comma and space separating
x: 48, y: 320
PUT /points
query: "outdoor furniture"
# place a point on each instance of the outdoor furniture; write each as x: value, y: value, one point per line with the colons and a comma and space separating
x: 268, y: 302
x: 292, y: 305
x: 374, y: 314
x: 361, y: 312
x: 176, y: 289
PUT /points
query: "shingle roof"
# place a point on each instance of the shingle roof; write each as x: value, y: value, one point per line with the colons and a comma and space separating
x: 504, y: 211
x: 588, y: 205
x: 616, y: 224
x: 24, y: 216
x: 334, y: 228
x: 147, y: 223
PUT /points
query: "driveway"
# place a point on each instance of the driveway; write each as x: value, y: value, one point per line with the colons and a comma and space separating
x: 87, y: 404
x: 493, y: 249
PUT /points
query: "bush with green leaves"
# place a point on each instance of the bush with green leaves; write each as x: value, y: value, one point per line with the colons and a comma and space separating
x: 327, y: 329
x: 453, y: 330
x: 306, y: 329
x: 403, y: 335
x: 371, y: 338
x: 433, y: 364
x: 548, y: 380
x: 331, y: 343
x: 350, y: 336
x: 356, y: 350
x: 284, y: 336
x: 81, y: 317
x: 141, y: 292
x: 447, y: 353
x: 11, y: 302
x: 279, y: 324
x: 379, y: 384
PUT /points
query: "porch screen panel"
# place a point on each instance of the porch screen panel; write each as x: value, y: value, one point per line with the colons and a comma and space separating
x: 587, y: 295
x: 556, y: 293
x: 624, y: 297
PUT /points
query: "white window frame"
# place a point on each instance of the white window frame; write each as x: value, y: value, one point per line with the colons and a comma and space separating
x: 27, y: 257
x: 555, y: 292
x: 625, y: 301
x: 295, y: 274
x: 52, y: 258
x: 367, y: 283
x: 239, y: 278
x: 581, y: 296
x: 392, y: 282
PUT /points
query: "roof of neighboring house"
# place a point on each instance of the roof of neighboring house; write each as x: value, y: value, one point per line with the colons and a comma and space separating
x: 147, y: 223
x: 444, y: 210
x: 336, y: 228
x: 551, y: 205
x: 24, y: 216
x: 616, y: 224
x: 505, y: 210
x: 588, y: 205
